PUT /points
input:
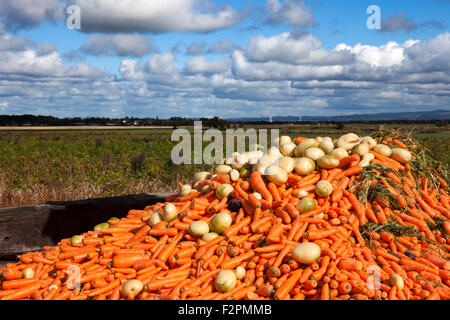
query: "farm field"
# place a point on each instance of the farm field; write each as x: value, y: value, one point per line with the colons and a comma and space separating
x: 40, y: 165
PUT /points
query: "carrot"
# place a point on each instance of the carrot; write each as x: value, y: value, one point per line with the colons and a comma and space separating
x: 23, y: 292
x: 288, y: 285
x: 258, y: 185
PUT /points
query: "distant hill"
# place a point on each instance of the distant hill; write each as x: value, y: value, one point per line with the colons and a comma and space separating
x: 420, y: 115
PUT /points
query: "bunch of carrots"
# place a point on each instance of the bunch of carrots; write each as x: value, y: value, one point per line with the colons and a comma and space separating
x: 364, y: 255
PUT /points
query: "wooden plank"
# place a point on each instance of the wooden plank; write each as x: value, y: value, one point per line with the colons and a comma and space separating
x: 24, y: 229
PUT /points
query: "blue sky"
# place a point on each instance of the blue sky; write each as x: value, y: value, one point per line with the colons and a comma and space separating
x: 223, y: 58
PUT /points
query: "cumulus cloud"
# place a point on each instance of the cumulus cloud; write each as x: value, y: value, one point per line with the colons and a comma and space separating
x: 223, y: 46
x: 118, y: 44
x: 306, y: 49
x: 291, y: 12
x: 153, y: 16
x: 398, y: 22
x: 19, y: 14
x: 201, y: 65
x: 195, y: 49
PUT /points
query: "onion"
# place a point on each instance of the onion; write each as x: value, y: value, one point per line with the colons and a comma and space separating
x: 397, y: 281
x: 304, y: 166
x: 28, y: 273
x: 198, y: 228
x: 220, y: 222
x: 185, y: 190
x: 224, y: 190
x: 328, y: 162
x: 401, y: 155
x: 132, y: 288
x: 209, y: 236
x: 286, y: 163
x: 170, y: 212
x: 326, y: 145
x: 306, y: 252
x: 339, y: 153
x: 240, y: 273
x: 383, y: 149
x: 276, y: 175
x: 222, y: 169
x: 288, y: 149
x: 225, y: 280
x: 306, y: 144
x: 324, y: 188
x: 314, y: 153
x: 306, y: 204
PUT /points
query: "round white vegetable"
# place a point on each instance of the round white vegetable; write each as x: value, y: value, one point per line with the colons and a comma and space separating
x: 155, y: 218
x: 222, y: 169
x: 339, y: 153
x: 209, y: 236
x: 220, y: 222
x: 306, y: 204
x: 28, y: 273
x: 283, y: 140
x: 225, y: 280
x: 324, y: 188
x: 328, y: 162
x: 198, y: 228
x: 240, y: 273
x: 401, y: 155
x: 361, y: 149
x: 383, y: 149
x: 286, y: 163
x: 276, y: 175
x: 224, y: 190
x: 314, y: 153
x: 306, y: 252
x: 200, y: 176
x: 234, y: 175
x: 326, y: 145
x: 397, y: 281
x: 185, y: 190
x: 288, y: 149
x: 132, y: 288
x: 304, y: 145
x: 347, y: 141
x: 304, y: 166
x: 170, y: 212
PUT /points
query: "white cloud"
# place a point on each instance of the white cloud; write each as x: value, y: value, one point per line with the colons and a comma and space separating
x: 18, y: 14
x: 223, y: 46
x: 163, y: 63
x: 291, y: 12
x: 156, y: 16
x: 386, y: 55
x: 201, y: 65
x: 283, y: 47
x: 118, y: 44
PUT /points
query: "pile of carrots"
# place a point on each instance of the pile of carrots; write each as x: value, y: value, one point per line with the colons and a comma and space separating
x: 369, y: 249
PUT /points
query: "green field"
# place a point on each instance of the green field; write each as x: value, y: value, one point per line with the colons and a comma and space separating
x: 40, y: 166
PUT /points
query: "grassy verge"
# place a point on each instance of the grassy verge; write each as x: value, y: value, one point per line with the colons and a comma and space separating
x: 41, y: 166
